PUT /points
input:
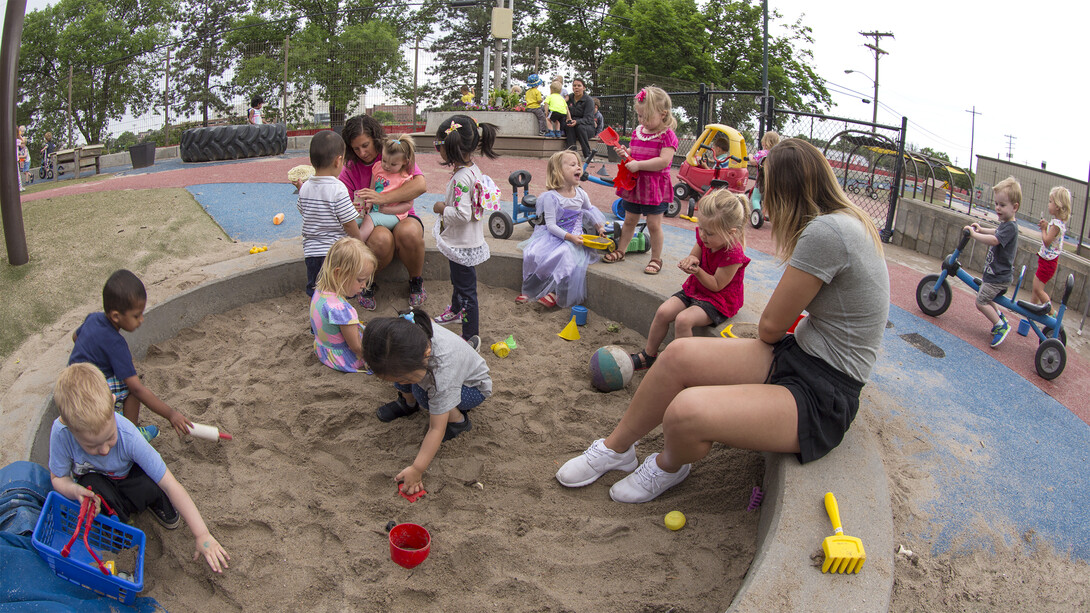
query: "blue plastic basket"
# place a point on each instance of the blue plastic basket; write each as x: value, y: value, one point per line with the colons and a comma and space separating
x: 53, y: 531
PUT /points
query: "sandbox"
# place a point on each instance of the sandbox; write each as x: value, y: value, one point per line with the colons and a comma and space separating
x: 780, y: 571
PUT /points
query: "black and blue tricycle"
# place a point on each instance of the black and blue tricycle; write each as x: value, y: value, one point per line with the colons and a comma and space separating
x: 933, y: 297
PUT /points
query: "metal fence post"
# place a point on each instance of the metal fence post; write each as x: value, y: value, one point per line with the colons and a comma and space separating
x: 898, y: 171
x: 702, y: 107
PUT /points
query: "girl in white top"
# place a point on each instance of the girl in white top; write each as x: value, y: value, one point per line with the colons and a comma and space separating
x: 459, y: 229
x: 1052, y: 241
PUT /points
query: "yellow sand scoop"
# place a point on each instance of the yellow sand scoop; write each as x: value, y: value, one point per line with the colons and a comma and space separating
x: 843, y: 554
x: 599, y: 242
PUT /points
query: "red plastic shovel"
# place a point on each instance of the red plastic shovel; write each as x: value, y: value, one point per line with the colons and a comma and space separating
x: 625, y: 179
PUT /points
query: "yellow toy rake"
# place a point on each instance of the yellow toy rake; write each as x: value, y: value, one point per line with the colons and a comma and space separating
x: 843, y: 554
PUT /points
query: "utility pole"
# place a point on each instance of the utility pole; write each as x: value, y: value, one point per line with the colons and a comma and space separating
x: 972, y: 135
x: 1010, y: 145
x: 878, y: 53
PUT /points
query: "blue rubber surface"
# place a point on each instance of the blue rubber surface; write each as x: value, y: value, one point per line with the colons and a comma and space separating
x: 245, y: 210
x: 1002, y: 452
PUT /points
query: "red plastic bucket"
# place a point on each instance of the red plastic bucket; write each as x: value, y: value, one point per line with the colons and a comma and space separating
x: 410, y: 544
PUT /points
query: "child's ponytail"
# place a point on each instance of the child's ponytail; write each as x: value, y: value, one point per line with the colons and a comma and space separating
x: 461, y: 135
x: 488, y: 139
x: 721, y: 211
x: 396, y: 346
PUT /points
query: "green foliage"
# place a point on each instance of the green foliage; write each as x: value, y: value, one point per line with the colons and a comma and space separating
x: 504, y: 99
x: 581, y: 34
x: 200, y: 58
x: 386, y: 118
x: 121, y: 143
x: 938, y: 155
x: 340, y: 50
x: 659, y: 33
x: 107, y: 44
x: 717, y: 43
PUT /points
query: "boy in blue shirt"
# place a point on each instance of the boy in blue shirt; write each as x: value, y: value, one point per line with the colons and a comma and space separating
x: 93, y: 451
x: 98, y: 340
x: 999, y: 264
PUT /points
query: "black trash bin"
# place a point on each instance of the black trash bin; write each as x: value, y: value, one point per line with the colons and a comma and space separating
x: 142, y: 155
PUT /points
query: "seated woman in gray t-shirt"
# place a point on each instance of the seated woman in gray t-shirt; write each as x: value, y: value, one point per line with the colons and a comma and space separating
x: 790, y: 393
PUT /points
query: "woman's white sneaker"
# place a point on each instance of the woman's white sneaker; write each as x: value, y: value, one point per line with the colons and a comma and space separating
x: 647, y: 482
x: 596, y: 461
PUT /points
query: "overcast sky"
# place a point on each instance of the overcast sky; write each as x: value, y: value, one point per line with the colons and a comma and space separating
x: 1020, y: 64
x: 1023, y: 69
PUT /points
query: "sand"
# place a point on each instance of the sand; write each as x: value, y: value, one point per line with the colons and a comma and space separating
x: 301, y: 496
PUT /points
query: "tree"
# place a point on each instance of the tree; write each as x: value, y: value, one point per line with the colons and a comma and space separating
x: 200, y: 60
x: 342, y: 48
x: 580, y: 34
x: 736, y: 34
x: 663, y: 37
x: 938, y: 155
x: 110, y: 46
x: 257, y: 44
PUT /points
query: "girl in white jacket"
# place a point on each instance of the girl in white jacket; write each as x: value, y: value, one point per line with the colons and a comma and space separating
x: 459, y: 229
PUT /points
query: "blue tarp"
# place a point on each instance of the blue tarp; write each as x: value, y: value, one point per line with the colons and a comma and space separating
x: 26, y: 581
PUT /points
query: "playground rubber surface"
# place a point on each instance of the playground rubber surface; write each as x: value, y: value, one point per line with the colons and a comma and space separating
x: 1000, y: 446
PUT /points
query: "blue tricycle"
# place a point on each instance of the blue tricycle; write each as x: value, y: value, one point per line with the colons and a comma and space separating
x: 500, y: 223
x: 933, y: 297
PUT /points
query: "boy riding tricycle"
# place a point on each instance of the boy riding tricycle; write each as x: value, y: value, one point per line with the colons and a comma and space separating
x: 933, y: 296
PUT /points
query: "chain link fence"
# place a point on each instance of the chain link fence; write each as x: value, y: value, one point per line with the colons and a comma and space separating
x: 867, y: 158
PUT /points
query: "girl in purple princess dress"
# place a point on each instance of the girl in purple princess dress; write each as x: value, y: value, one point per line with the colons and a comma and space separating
x: 554, y: 259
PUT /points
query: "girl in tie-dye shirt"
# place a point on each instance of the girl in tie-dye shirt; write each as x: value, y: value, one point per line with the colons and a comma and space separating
x: 337, y: 329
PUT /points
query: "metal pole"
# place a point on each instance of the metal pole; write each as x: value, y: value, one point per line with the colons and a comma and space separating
x: 511, y: 5
x: 498, y: 66
x: 416, y: 75
x: 485, y: 76
x: 166, y: 101
x: 635, y: 79
x: 71, y: 142
x: 1082, y: 226
x: 284, y: 94
x: 764, y: 71
x: 898, y: 173
x: 11, y: 206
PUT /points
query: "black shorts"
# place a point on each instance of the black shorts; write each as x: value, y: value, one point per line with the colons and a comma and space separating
x: 708, y: 308
x: 644, y: 209
x: 827, y: 399
x: 558, y: 116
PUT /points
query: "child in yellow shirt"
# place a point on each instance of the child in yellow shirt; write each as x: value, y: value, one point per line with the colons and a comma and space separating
x: 558, y: 111
x: 534, y: 99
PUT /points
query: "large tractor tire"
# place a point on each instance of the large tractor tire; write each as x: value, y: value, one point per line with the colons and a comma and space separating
x: 233, y: 142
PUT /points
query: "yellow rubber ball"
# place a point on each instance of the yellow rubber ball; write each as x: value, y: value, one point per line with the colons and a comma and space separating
x: 674, y: 520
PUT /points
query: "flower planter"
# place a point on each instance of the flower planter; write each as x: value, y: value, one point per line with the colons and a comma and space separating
x: 510, y: 123
x: 142, y: 155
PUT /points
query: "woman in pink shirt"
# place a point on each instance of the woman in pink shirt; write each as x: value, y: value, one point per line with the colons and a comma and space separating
x: 365, y: 137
